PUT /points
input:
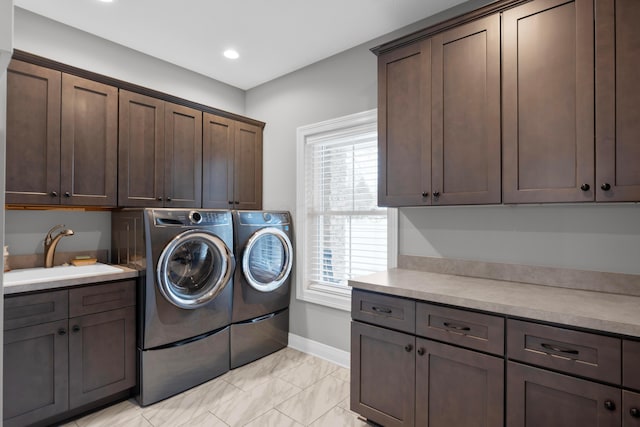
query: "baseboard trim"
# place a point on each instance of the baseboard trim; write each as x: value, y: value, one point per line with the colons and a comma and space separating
x: 318, y: 349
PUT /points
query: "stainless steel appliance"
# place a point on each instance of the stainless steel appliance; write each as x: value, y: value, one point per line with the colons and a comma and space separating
x: 185, y: 293
x: 260, y: 321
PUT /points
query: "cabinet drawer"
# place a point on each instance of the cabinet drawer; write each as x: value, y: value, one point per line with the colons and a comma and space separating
x: 474, y: 330
x: 579, y: 353
x: 384, y: 310
x: 27, y: 310
x: 631, y: 364
x: 97, y: 298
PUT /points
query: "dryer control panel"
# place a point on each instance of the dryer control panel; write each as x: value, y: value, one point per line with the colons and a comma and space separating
x: 264, y: 218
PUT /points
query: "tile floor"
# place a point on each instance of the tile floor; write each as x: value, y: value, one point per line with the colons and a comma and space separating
x: 284, y: 389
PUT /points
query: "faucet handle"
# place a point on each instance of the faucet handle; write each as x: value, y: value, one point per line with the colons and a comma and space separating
x: 50, y: 232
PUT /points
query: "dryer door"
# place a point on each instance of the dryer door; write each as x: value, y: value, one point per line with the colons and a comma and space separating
x: 194, y: 268
x: 267, y: 259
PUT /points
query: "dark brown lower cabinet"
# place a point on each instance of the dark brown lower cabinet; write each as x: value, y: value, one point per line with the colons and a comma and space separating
x: 383, y: 375
x: 54, y: 364
x: 457, y: 387
x: 400, y: 380
x: 540, y: 398
x: 630, y: 409
x: 35, y: 372
x: 101, y: 355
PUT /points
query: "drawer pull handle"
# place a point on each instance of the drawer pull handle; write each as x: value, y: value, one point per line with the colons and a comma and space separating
x: 383, y: 310
x: 610, y: 405
x: 635, y: 412
x: 559, y: 349
x: 456, y: 326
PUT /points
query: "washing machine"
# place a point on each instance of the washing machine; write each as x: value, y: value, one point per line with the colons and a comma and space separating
x: 186, y: 262
x: 262, y: 285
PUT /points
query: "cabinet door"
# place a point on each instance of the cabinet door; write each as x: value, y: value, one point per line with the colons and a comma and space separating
x: 101, y: 355
x: 247, y: 168
x: 382, y: 375
x: 217, y: 162
x: 548, y: 149
x: 466, y: 114
x: 35, y: 373
x: 89, y: 143
x: 404, y: 126
x: 539, y: 398
x: 140, y: 151
x: 33, y: 135
x: 457, y: 387
x: 630, y: 409
x: 183, y: 157
x: 617, y: 100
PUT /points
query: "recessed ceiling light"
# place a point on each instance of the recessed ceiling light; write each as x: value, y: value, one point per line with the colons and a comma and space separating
x: 231, y: 54
x: 106, y: 1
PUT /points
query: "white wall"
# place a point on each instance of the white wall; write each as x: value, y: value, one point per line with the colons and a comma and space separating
x: 53, y: 40
x: 25, y: 230
x: 6, y: 48
x: 343, y: 84
x: 584, y: 237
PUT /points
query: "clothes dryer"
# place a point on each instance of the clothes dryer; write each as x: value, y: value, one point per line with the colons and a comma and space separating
x: 264, y: 250
x: 185, y: 293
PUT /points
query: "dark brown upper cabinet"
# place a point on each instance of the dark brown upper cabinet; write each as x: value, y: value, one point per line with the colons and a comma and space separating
x: 160, y: 153
x: 617, y: 100
x: 232, y: 164
x: 465, y: 99
x: 548, y: 108
x: 183, y: 156
x: 439, y: 119
x: 61, y: 138
x: 89, y: 143
x: 33, y: 134
x: 404, y: 126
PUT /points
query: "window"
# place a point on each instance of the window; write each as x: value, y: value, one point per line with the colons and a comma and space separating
x: 341, y: 232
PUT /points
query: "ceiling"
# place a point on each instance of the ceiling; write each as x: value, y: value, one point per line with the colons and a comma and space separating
x: 273, y: 37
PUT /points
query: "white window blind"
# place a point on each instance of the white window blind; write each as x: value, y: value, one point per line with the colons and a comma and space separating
x: 345, y: 232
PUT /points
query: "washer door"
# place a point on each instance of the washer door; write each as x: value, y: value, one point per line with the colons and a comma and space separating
x: 193, y: 269
x: 267, y: 259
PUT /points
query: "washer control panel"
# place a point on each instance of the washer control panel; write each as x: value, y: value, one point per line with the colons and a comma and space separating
x: 178, y: 217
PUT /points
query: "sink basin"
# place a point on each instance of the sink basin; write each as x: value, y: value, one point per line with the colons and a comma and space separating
x: 41, y: 274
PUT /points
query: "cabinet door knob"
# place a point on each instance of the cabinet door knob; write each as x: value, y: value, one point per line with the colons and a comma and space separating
x: 168, y: 199
x: 76, y: 328
x: 67, y: 194
x: 159, y: 199
x: 54, y: 194
x: 421, y: 351
x: 585, y: 187
x: 606, y: 186
x: 436, y: 194
x: 610, y: 405
x: 62, y: 331
x: 408, y: 348
x: 635, y: 412
x: 425, y: 194
x: 230, y: 202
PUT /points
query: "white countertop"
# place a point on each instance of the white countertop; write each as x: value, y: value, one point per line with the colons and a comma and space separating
x: 615, y: 313
x: 39, y: 279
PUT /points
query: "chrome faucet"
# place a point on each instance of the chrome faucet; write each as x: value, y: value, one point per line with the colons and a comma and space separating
x: 51, y: 242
